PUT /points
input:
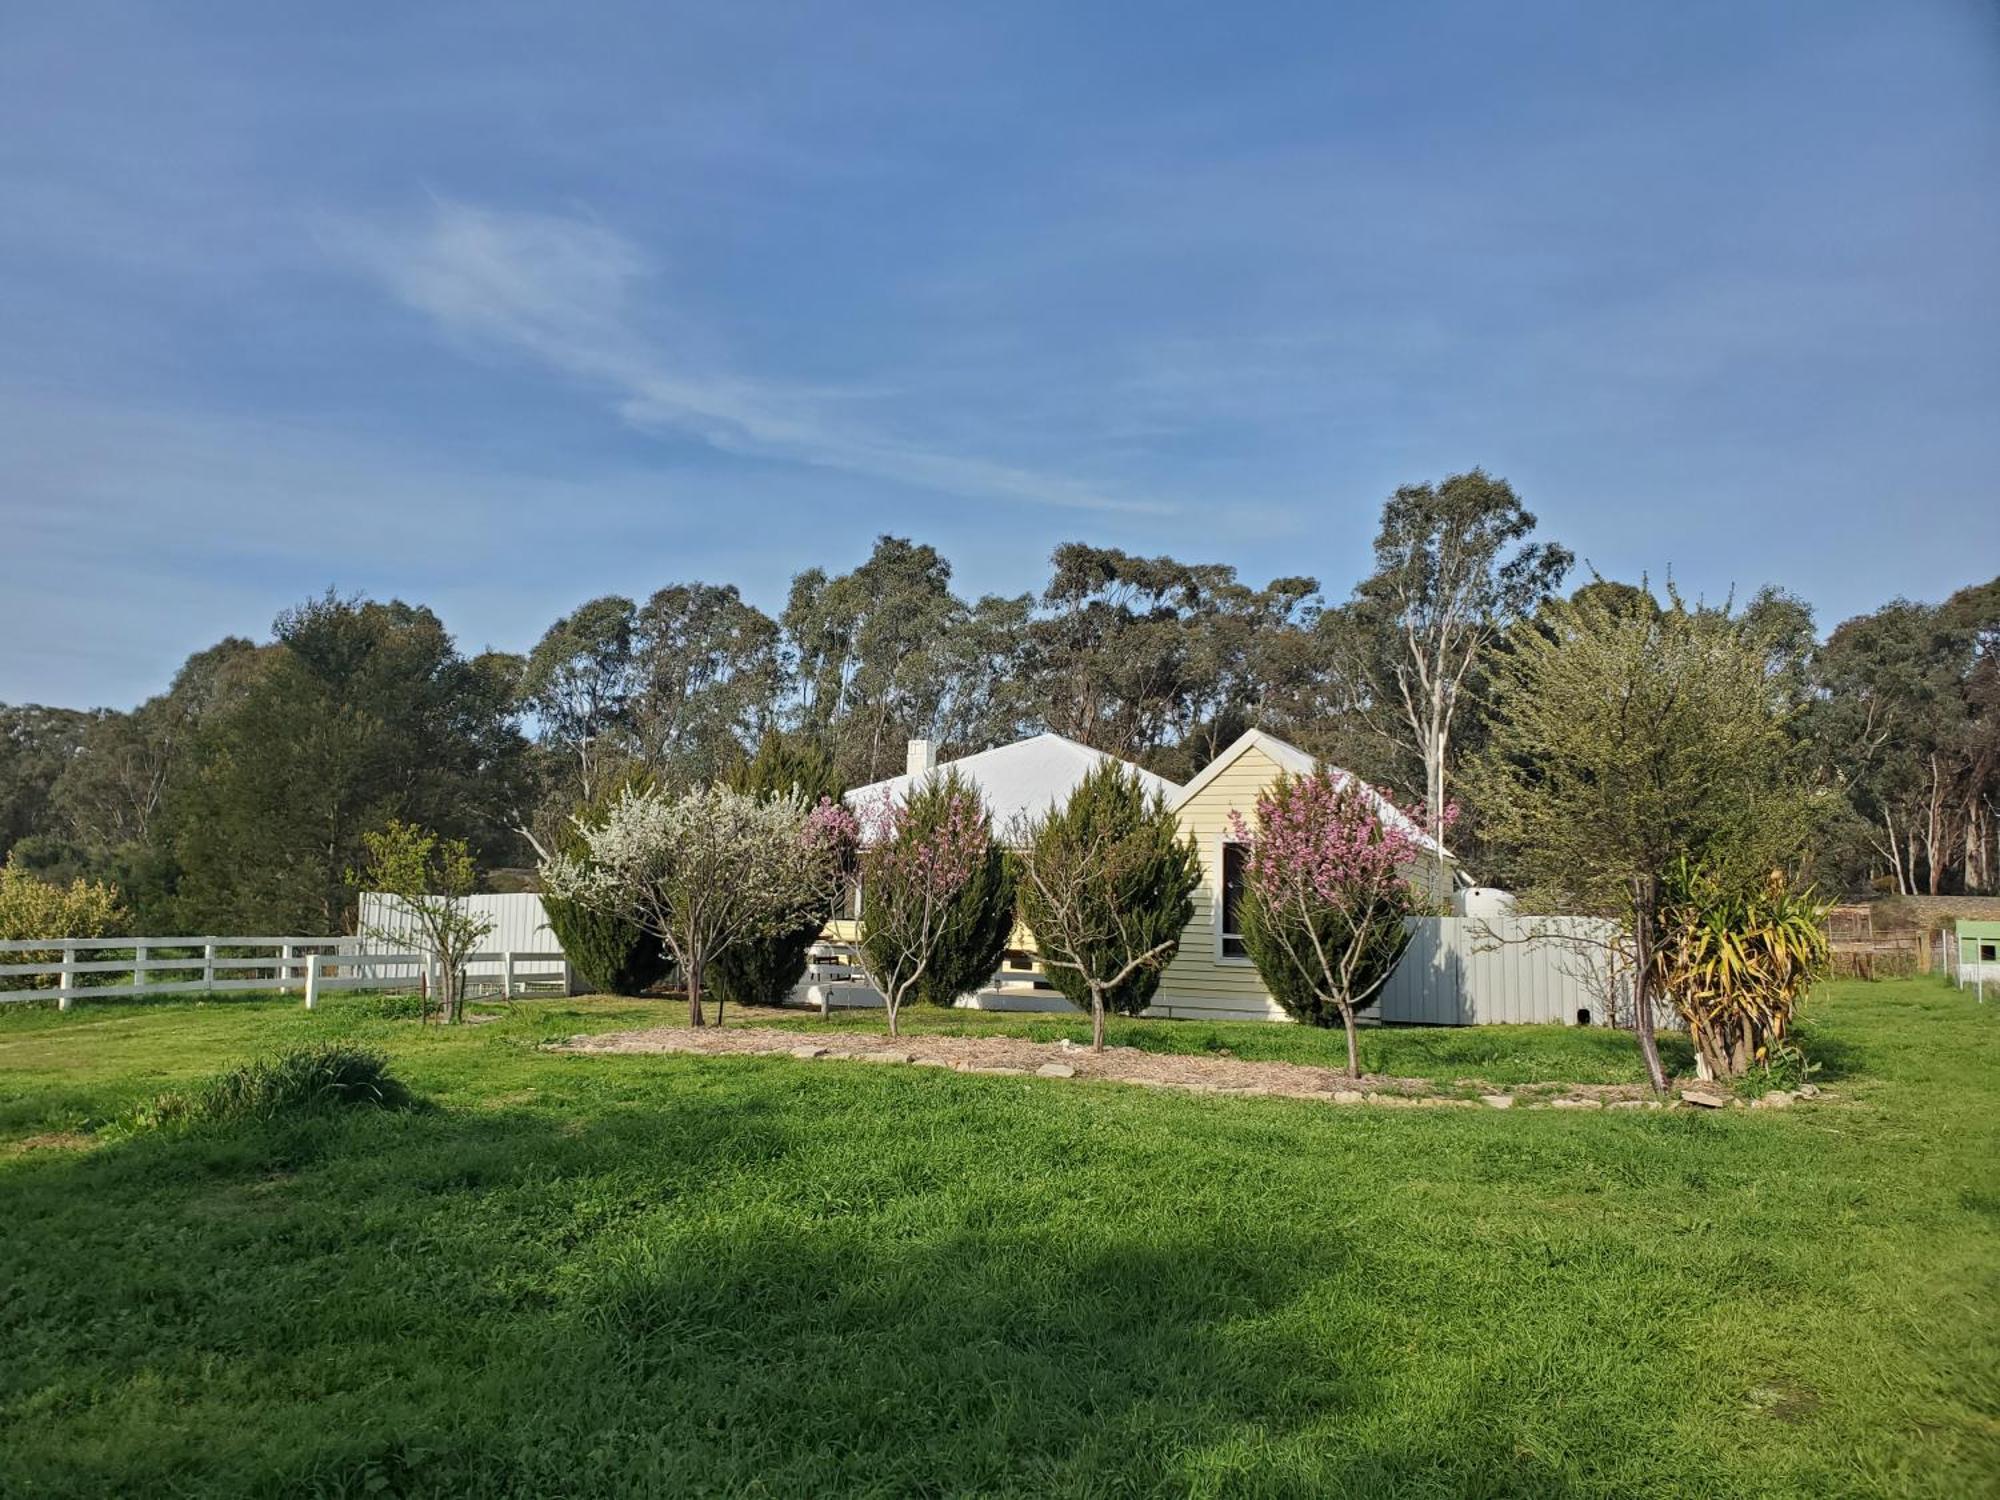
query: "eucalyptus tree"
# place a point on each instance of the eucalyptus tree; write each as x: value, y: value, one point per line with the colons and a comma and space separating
x: 1454, y: 568
x: 866, y: 649
x: 362, y: 712
x: 127, y: 764
x: 578, y: 686
x: 707, y: 679
x: 36, y: 745
x: 1907, y: 721
x: 981, y: 698
x: 1111, y: 649
x: 1157, y: 660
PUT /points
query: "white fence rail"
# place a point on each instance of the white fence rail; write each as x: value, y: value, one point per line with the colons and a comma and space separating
x: 63, y: 968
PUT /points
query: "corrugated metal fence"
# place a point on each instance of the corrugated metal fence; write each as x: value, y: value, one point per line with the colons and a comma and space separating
x: 1479, y: 971
x: 519, y: 926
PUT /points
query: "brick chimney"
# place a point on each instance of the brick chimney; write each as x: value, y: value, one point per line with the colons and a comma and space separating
x: 921, y: 757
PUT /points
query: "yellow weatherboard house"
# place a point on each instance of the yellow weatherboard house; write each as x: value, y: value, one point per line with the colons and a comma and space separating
x: 1211, y: 976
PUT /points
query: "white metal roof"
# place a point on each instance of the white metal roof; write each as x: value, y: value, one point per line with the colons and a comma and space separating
x: 1021, y: 780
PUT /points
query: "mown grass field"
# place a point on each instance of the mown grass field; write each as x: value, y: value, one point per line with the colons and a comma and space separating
x: 620, y: 1275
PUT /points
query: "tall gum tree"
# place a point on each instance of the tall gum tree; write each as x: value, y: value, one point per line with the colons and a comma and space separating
x: 1454, y: 568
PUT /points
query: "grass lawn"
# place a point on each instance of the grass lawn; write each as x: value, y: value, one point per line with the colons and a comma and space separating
x: 615, y: 1275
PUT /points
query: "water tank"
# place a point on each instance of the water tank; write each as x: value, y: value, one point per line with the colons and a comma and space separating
x: 1482, y: 901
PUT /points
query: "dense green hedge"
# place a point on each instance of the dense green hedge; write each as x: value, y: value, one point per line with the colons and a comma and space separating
x: 609, y: 954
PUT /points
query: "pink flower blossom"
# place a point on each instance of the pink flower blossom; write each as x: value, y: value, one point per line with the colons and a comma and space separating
x: 1324, y: 841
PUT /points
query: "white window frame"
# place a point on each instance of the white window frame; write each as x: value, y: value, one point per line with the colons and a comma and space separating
x: 1225, y: 959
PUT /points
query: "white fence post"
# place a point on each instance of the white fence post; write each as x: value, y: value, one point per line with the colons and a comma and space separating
x: 66, y: 985
x: 312, y: 981
x: 208, y: 963
x: 284, y: 968
x: 138, y: 965
x: 507, y: 975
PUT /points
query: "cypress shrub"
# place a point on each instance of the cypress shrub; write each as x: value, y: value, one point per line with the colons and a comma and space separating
x: 978, y: 917
x: 1108, y: 878
x: 609, y: 954
x: 977, y: 942
x: 762, y: 971
x: 788, y: 763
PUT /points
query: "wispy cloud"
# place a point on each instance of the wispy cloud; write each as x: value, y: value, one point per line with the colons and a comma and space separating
x: 571, y: 294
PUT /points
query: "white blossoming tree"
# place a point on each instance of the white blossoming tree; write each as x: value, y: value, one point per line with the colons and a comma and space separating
x: 706, y: 869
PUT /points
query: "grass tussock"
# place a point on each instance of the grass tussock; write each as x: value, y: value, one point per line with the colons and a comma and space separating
x: 297, y: 1081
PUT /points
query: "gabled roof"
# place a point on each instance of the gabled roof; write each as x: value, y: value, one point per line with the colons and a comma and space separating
x: 1294, y: 760
x: 1024, y: 779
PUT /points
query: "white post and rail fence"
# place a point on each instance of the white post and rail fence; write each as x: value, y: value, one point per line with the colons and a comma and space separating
x: 68, y: 969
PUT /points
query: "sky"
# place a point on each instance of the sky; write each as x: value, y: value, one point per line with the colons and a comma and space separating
x: 501, y: 307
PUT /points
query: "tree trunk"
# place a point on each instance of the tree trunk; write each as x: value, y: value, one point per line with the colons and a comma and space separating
x: 1434, y: 787
x: 1096, y: 1019
x: 892, y: 1007
x: 1644, y: 894
x: 1353, y: 1043
x: 1711, y: 1051
x: 694, y: 994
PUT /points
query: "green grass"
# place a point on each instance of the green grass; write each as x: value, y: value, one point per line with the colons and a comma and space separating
x: 660, y: 1275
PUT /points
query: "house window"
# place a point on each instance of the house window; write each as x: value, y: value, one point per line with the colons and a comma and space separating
x: 1989, y: 952
x: 1234, y: 856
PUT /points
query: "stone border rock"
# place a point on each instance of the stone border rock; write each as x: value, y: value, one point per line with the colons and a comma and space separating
x: 1189, y: 1073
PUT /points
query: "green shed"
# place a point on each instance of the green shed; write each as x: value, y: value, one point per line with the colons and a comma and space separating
x: 1978, y: 951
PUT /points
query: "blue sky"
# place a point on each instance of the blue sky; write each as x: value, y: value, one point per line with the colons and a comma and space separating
x: 501, y: 307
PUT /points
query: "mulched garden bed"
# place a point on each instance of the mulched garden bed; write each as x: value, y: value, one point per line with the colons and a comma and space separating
x: 1017, y: 1055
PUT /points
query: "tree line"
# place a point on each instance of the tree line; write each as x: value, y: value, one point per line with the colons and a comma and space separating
x: 240, y: 798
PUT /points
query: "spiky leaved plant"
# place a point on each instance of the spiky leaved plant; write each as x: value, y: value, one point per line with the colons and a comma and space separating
x: 1737, y: 962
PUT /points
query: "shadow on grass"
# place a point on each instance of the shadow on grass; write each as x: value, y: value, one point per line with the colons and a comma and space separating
x: 696, y: 1291
x: 1835, y: 1058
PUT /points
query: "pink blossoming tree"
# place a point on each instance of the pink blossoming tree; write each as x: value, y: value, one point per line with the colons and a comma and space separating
x: 937, y: 895
x: 1326, y: 895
